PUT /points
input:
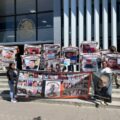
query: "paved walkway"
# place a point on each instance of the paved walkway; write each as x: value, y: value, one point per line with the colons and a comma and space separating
x: 45, y: 111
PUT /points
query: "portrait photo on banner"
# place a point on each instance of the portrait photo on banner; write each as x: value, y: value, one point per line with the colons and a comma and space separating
x: 71, y: 53
x: 89, y: 47
x: 30, y: 62
x: 103, y: 86
x: 52, y: 89
x: 91, y: 63
x: 32, y: 49
x: 8, y: 53
x: 52, y: 51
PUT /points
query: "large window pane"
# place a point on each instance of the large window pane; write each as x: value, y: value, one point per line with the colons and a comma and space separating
x: 45, y: 34
x: 45, y: 27
x: 45, y: 20
x: 45, y: 5
x: 26, y: 28
x: 6, y: 7
x: 7, y: 29
x: 26, y: 6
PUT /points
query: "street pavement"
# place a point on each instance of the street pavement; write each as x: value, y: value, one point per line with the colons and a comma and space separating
x: 46, y: 111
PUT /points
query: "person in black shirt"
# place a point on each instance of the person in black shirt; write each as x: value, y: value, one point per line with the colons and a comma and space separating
x: 12, y: 75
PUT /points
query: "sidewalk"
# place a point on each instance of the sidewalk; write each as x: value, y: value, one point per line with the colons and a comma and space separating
x: 76, y: 102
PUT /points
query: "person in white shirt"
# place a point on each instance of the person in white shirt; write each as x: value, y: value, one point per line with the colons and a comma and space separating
x: 105, y: 69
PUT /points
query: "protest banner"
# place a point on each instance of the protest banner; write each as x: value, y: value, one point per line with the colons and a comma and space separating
x: 52, y: 51
x: 71, y: 53
x: 76, y: 85
x: 90, y: 63
x: 7, y: 56
x: 103, y: 86
x: 8, y: 53
x: 32, y: 49
x: 88, y: 47
x: 70, y: 85
x: 29, y: 83
x: 54, y: 85
x: 30, y: 62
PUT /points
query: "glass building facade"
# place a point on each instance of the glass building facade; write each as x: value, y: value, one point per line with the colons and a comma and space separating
x: 26, y: 21
x: 60, y: 21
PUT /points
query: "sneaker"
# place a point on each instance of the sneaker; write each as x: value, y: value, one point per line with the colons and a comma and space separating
x: 13, y: 101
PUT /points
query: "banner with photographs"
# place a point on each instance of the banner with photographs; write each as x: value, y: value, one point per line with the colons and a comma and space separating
x: 71, y: 53
x: 30, y: 62
x: 76, y: 85
x: 52, y: 51
x: 52, y: 89
x: 91, y: 63
x: 32, y: 49
x: 69, y: 85
x: 113, y: 61
x: 29, y: 84
x: 103, y: 86
x: 88, y: 47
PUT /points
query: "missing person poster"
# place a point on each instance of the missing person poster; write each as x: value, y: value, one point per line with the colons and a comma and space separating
x: 32, y: 49
x: 71, y: 53
x: 52, y: 51
x: 103, y: 86
x: 30, y: 62
x: 52, y: 89
x: 91, y: 63
x: 8, y: 53
x: 113, y: 61
x: 89, y: 47
x: 29, y: 83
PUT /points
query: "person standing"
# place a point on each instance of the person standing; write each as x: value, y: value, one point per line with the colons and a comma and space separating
x: 113, y: 50
x: 12, y: 75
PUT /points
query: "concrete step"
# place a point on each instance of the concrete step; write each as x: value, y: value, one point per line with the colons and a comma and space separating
x: 116, y: 90
x: 116, y: 97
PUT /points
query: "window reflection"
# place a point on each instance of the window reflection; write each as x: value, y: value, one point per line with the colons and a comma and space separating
x: 45, y: 5
x: 45, y: 20
x: 7, y: 29
x: 25, y: 6
x: 45, y: 27
x: 6, y: 7
x: 26, y: 28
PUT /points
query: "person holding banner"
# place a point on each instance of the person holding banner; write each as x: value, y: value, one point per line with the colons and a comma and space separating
x: 113, y: 63
x: 12, y: 75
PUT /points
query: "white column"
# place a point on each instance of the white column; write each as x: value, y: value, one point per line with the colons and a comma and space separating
x: 88, y: 19
x: 96, y: 21
x: 73, y: 23
x: 114, y: 23
x: 66, y: 23
x: 105, y: 24
x: 81, y: 21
